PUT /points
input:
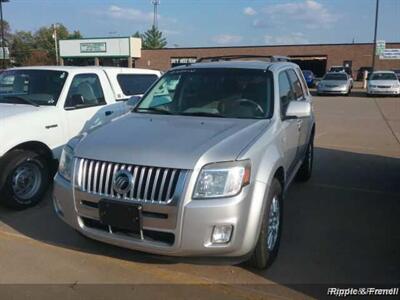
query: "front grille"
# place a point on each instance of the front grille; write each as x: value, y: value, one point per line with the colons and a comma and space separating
x: 149, y: 183
x: 384, y: 86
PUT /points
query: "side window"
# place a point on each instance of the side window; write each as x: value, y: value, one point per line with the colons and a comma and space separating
x: 85, y: 91
x: 135, y: 84
x: 285, y: 92
x: 303, y: 82
x: 295, y: 82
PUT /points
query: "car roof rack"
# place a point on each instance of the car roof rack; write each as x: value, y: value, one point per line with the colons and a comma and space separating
x: 275, y: 58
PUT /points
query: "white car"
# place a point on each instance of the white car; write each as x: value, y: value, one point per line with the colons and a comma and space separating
x: 41, y: 108
x: 383, y: 83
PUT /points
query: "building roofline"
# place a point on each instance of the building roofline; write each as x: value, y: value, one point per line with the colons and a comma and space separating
x: 270, y: 46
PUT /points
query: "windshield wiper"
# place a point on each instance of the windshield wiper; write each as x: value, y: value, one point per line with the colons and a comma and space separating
x: 202, y: 114
x: 154, y: 109
x: 22, y: 99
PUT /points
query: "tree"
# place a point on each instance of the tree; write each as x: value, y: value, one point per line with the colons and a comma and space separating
x: 137, y: 34
x: 44, y: 39
x: 21, y: 47
x: 153, y: 39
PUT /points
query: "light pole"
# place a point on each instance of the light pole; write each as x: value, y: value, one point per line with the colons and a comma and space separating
x: 155, y: 3
x: 55, y: 41
x: 2, y: 33
x: 375, y: 34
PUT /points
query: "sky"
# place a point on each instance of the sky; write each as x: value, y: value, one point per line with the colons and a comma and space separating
x: 197, y: 23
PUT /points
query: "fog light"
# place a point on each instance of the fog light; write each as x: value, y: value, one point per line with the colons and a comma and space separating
x: 221, y: 234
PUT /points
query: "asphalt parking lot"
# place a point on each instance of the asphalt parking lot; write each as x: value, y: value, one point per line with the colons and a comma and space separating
x: 342, y: 227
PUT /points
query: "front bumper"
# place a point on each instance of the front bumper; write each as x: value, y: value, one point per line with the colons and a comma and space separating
x: 332, y: 90
x: 383, y: 91
x: 189, y: 222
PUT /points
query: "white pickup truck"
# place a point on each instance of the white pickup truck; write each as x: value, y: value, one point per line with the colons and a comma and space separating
x: 41, y: 108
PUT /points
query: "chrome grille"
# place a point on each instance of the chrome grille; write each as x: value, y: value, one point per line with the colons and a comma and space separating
x: 151, y: 184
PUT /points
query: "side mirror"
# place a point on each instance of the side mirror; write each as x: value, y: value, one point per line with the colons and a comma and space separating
x: 74, y: 101
x: 298, y: 109
x: 133, y: 101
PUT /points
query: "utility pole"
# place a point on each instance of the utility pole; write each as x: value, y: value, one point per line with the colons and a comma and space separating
x: 375, y: 34
x: 155, y: 3
x: 55, y: 41
x: 2, y: 34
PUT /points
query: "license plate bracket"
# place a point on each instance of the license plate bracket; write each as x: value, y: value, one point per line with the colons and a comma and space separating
x: 121, y: 215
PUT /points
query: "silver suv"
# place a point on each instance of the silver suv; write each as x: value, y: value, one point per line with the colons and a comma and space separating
x: 200, y: 166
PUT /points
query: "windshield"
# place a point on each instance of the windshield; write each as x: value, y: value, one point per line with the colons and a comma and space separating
x: 230, y: 93
x: 34, y: 87
x: 337, y: 76
x: 383, y: 76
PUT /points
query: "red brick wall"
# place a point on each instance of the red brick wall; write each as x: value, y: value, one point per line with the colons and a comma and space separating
x: 360, y: 54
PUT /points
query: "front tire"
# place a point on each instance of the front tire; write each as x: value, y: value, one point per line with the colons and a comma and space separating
x: 24, y: 179
x: 268, y: 241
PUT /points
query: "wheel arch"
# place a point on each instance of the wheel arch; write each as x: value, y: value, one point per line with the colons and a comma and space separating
x: 37, y: 147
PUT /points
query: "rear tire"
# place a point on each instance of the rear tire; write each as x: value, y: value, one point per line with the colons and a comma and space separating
x: 268, y: 241
x: 24, y: 179
x: 305, y: 170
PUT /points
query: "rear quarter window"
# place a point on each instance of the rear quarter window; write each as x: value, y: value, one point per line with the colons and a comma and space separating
x: 134, y: 84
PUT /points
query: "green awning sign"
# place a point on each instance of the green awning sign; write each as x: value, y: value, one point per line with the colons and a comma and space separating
x: 93, y: 47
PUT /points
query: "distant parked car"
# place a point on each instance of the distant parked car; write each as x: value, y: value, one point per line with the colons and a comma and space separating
x: 335, y: 83
x: 309, y: 77
x: 397, y: 72
x: 383, y: 83
x: 360, y: 73
x: 342, y: 69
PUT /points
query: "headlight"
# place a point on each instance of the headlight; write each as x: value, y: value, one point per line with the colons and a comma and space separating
x: 222, y: 180
x: 66, y: 163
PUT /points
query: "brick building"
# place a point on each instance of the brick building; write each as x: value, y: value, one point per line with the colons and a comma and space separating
x: 315, y: 57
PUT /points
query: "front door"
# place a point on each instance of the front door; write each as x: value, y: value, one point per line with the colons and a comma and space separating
x: 290, y: 132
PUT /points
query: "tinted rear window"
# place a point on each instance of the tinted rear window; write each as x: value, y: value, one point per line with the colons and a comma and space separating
x: 134, y: 84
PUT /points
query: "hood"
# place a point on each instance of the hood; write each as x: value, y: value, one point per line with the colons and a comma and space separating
x: 384, y: 82
x: 169, y: 141
x: 11, y: 110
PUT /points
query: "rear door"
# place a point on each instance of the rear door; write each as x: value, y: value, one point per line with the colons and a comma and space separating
x: 301, y: 94
x: 88, y: 93
x: 291, y: 133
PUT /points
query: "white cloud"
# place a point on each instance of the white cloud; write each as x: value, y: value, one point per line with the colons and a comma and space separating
x: 227, y: 39
x: 130, y: 14
x: 249, y: 11
x: 311, y: 12
x: 289, y: 39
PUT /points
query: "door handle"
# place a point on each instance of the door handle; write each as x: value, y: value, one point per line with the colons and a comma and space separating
x: 299, y: 124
